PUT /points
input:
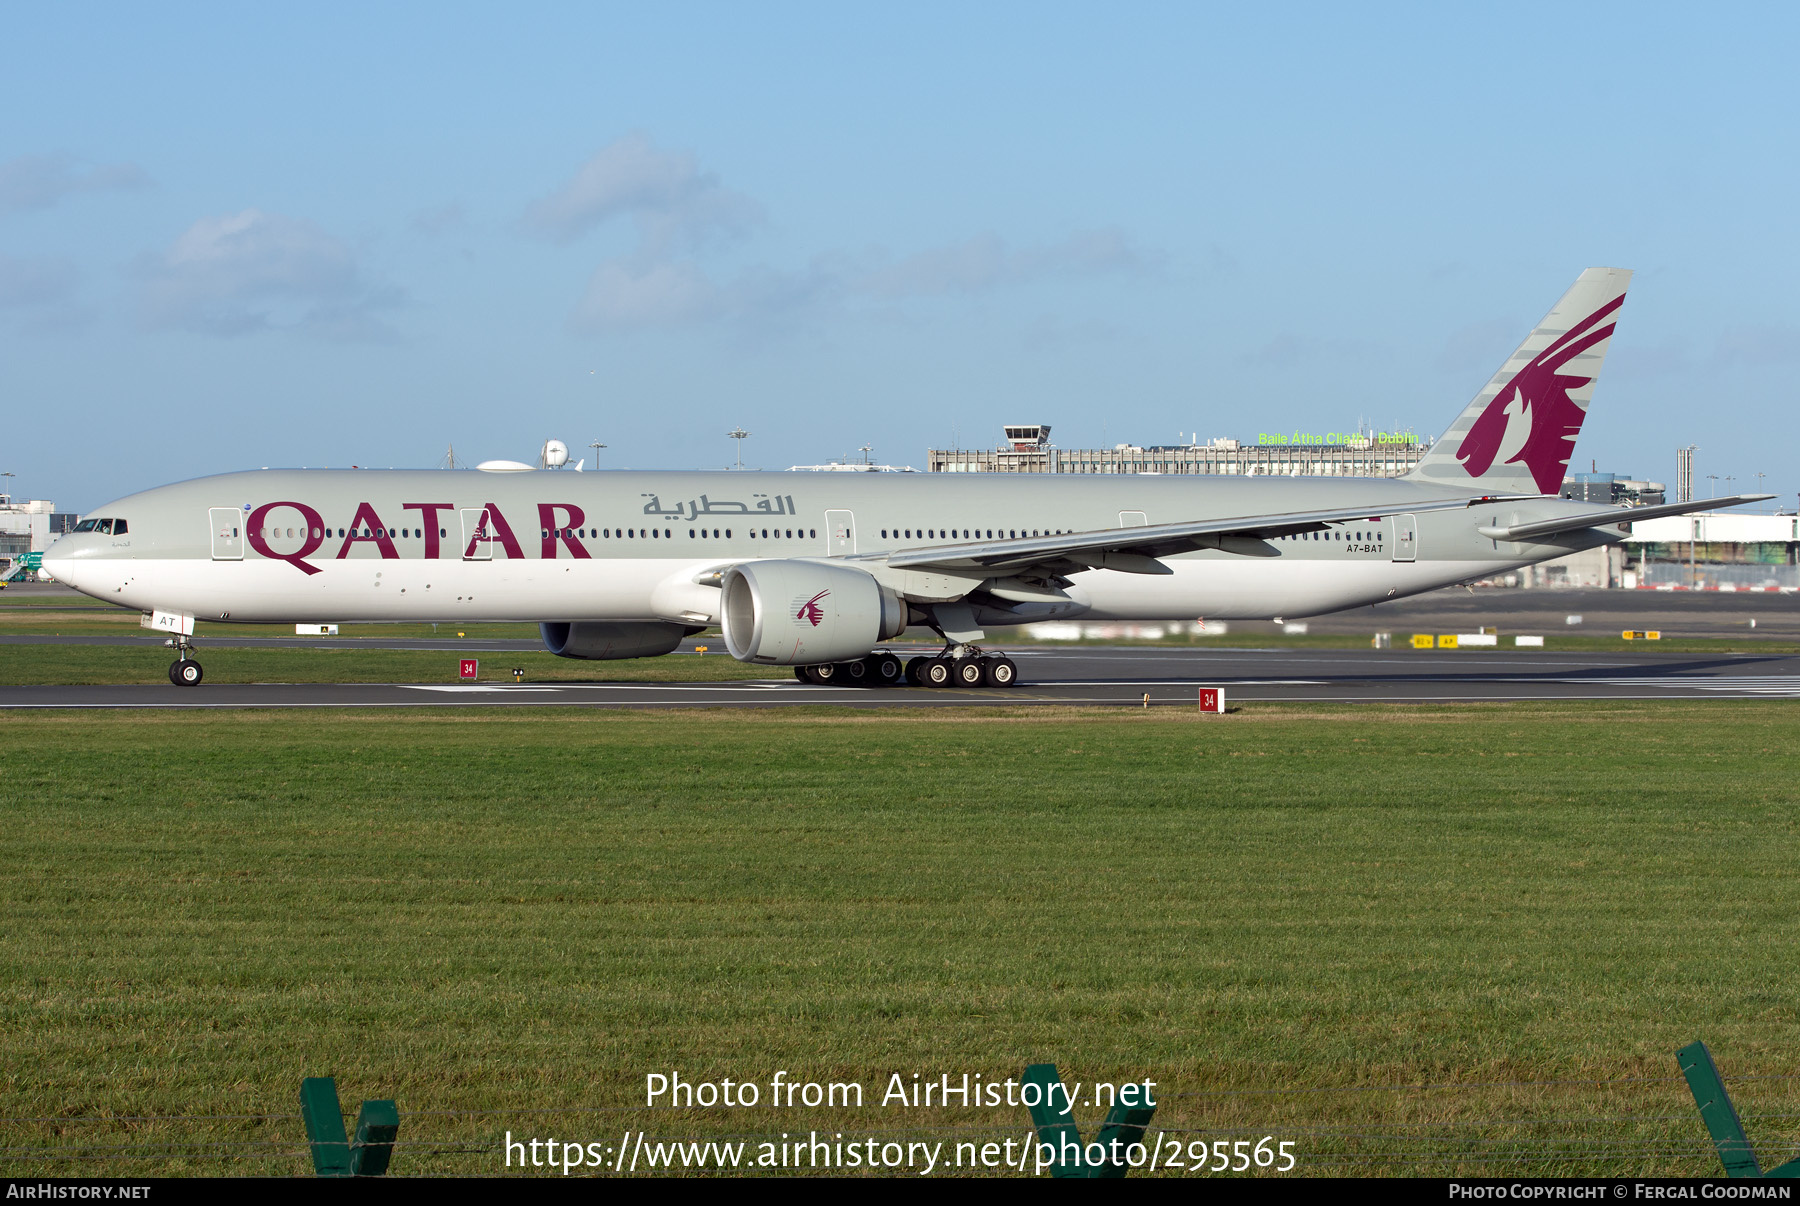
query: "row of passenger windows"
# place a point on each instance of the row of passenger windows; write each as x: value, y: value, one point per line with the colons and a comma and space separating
x: 543, y: 533
x: 1355, y: 537
x: 363, y: 534
x: 967, y: 533
x: 116, y: 527
x: 668, y: 534
x: 106, y: 527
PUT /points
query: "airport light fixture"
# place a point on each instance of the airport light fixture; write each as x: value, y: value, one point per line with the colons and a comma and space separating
x: 596, y: 445
x: 740, y: 435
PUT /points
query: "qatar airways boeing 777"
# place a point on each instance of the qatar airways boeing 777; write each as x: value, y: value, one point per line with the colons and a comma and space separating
x: 816, y: 571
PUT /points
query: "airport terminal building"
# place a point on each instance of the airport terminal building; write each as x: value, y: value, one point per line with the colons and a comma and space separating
x: 1027, y: 449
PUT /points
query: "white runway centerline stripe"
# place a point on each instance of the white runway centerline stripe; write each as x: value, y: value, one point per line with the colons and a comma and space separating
x: 1781, y: 685
x: 473, y: 689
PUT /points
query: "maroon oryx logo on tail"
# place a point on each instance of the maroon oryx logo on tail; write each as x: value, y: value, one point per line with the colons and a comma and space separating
x: 1537, y: 398
x: 810, y: 610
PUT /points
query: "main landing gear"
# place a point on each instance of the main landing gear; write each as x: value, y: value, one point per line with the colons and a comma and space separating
x: 876, y: 670
x: 184, y: 671
x: 957, y: 666
x: 962, y: 666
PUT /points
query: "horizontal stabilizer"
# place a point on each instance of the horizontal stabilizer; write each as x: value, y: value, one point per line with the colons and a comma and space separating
x: 1595, y: 519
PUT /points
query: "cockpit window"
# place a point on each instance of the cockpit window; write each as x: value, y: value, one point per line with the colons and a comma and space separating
x: 119, y: 528
x: 104, y: 527
x: 86, y: 525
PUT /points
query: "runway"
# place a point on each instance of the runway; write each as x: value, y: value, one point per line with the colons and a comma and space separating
x: 1090, y: 676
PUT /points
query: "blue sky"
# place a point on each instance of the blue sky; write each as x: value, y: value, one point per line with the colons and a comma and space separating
x: 233, y: 236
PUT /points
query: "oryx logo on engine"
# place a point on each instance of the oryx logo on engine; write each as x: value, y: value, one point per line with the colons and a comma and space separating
x: 809, y: 609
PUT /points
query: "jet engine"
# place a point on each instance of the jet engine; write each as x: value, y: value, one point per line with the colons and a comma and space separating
x: 609, y: 641
x: 801, y: 613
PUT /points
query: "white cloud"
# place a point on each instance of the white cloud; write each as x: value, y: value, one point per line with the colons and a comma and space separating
x: 35, y: 281
x: 641, y: 291
x: 674, y: 203
x: 40, y: 181
x: 624, y: 295
x: 1480, y: 345
x: 680, y: 210
x: 438, y: 219
x: 1758, y: 346
x: 255, y: 271
x: 1289, y: 350
x: 627, y: 294
x: 987, y: 262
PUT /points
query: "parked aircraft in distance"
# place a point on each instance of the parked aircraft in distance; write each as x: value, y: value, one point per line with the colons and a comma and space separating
x: 815, y: 571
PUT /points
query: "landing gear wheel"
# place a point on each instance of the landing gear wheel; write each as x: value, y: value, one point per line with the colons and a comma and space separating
x: 186, y: 673
x: 854, y: 674
x: 969, y: 672
x: 885, y: 670
x: 825, y: 673
x: 800, y: 672
x: 915, y: 671
x: 937, y: 672
x: 1000, y: 672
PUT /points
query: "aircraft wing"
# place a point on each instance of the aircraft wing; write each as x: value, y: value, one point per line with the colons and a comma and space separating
x: 1594, y: 519
x: 1135, y: 550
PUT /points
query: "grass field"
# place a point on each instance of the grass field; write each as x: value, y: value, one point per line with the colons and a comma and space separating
x: 24, y: 665
x: 531, y: 910
x: 65, y: 664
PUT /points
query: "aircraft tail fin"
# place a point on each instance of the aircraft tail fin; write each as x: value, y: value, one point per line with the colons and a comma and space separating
x: 1519, y: 432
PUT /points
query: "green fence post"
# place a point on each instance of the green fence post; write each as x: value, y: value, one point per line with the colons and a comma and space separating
x: 376, y: 1125
x: 1126, y: 1124
x: 1054, y: 1126
x: 324, y: 1126
x: 1716, y: 1111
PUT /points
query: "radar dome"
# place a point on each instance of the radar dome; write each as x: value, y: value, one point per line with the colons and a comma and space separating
x: 556, y: 454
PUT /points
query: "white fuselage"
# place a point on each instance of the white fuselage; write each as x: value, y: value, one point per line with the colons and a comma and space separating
x: 324, y: 545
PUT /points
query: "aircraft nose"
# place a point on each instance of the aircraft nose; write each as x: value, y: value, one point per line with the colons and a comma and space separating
x: 59, y: 565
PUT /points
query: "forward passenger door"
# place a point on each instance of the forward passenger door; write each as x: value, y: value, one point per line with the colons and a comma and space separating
x: 476, y: 543
x: 227, y: 533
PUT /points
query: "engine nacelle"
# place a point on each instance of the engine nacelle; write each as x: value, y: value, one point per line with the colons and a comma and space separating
x: 609, y: 642
x: 801, y: 613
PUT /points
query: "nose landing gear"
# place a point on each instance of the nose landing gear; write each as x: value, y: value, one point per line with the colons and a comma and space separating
x: 184, y: 671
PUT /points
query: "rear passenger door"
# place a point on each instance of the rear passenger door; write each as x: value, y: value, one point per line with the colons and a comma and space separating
x: 1406, y: 537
